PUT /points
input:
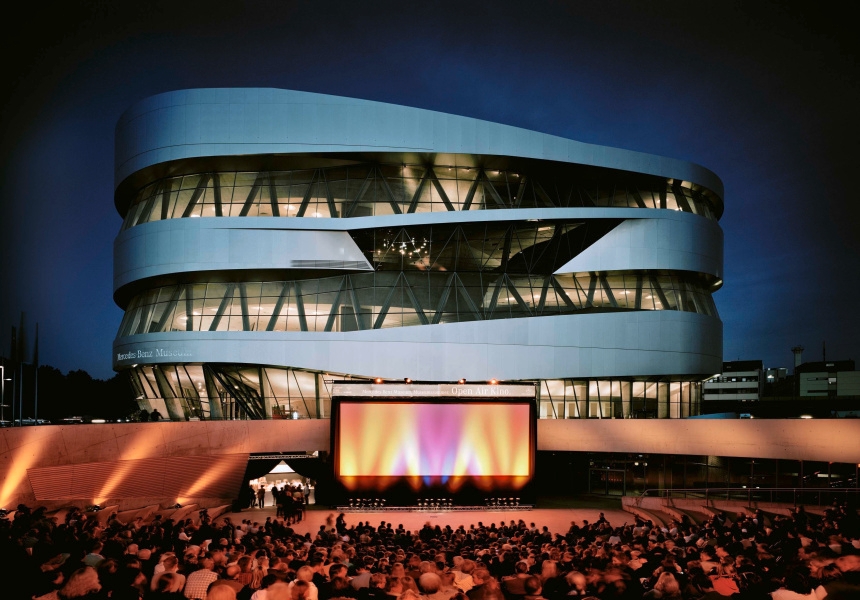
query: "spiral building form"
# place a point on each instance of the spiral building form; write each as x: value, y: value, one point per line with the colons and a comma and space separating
x: 274, y: 241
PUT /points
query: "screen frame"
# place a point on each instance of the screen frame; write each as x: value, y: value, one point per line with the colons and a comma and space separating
x: 373, y: 482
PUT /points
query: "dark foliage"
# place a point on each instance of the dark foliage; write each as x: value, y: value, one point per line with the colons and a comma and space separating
x: 76, y: 394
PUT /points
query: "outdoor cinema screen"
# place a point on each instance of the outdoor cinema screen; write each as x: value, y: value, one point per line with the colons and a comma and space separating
x: 379, y: 443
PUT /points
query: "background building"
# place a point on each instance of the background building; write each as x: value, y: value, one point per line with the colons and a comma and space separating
x: 274, y: 241
x: 829, y: 379
x: 741, y: 380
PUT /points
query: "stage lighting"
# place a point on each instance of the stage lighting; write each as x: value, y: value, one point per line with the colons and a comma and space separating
x: 377, y: 380
x: 407, y: 380
x: 461, y: 381
x: 494, y: 381
x: 517, y: 501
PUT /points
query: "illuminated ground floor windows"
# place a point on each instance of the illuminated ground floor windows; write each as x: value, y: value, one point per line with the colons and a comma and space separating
x: 218, y: 391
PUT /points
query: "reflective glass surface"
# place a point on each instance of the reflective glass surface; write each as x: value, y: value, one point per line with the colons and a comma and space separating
x: 404, y: 298
x: 372, y: 189
x: 218, y: 391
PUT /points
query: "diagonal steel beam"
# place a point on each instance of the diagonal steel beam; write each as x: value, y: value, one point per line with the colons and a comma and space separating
x: 252, y: 195
x: 332, y: 315
x: 387, y: 189
x: 418, y: 191
x: 332, y: 209
x: 361, y: 191
x: 440, y: 190
x: 303, y: 207
x: 273, y: 197
x: 216, y: 192
x: 470, y: 195
x: 222, y: 307
x: 195, y: 197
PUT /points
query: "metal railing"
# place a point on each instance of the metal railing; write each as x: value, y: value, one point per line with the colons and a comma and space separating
x: 796, y: 496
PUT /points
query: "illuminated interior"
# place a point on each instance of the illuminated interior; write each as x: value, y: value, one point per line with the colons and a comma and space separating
x: 363, y: 190
x: 381, y: 300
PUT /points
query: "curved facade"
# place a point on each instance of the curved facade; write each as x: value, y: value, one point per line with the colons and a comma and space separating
x: 274, y: 241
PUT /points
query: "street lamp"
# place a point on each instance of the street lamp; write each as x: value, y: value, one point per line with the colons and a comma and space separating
x: 3, y: 381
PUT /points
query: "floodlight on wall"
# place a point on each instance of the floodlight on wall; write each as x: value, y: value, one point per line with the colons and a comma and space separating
x: 377, y: 380
x: 494, y: 381
x: 407, y: 380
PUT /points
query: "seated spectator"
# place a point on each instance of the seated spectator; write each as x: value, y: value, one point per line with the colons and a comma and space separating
x: 532, y: 586
x: 83, y: 583
x: 430, y: 585
x: 795, y: 585
x: 168, y: 586
x: 514, y: 586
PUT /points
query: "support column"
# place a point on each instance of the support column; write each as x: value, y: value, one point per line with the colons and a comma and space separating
x: 174, y: 407
x: 216, y: 411
x: 265, y: 393
x: 317, y: 379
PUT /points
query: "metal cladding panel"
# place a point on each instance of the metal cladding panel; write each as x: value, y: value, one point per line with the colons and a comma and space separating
x: 219, y: 122
x: 620, y: 344
x: 661, y: 240
x: 675, y: 242
x: 195, y: 245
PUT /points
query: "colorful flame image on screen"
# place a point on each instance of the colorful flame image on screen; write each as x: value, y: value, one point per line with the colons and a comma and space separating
x: 475, y: 441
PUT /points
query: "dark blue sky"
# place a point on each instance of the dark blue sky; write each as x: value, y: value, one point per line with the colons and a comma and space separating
x: 764, y: 94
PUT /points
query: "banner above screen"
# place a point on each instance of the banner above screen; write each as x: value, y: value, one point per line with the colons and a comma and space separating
x: 423, y: 390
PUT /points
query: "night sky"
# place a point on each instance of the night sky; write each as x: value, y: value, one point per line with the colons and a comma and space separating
x: 764, y: 94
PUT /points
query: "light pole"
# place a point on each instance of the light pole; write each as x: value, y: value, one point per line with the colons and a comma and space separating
x: 3, y: 392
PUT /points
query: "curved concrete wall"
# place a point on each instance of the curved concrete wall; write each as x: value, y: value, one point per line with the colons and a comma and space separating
x: 675, y: 241
x: 228, y: 122
x: 597, y: 345
x: 200, y: 245
x: 110, y: 454
x: 648, y: 239
x: 207, y: 127
x: 826, y: 440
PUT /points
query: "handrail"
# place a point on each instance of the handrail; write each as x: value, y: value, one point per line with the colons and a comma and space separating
x: 808, y: 496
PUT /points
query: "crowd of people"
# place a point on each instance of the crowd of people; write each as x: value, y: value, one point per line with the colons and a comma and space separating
x: 758, y: 556
x: 289, y: 499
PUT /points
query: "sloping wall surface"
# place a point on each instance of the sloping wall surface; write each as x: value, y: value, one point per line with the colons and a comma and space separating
x: 136, y: 464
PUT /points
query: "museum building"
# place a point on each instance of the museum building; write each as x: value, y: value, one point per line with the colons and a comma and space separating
x: 276, y: 241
